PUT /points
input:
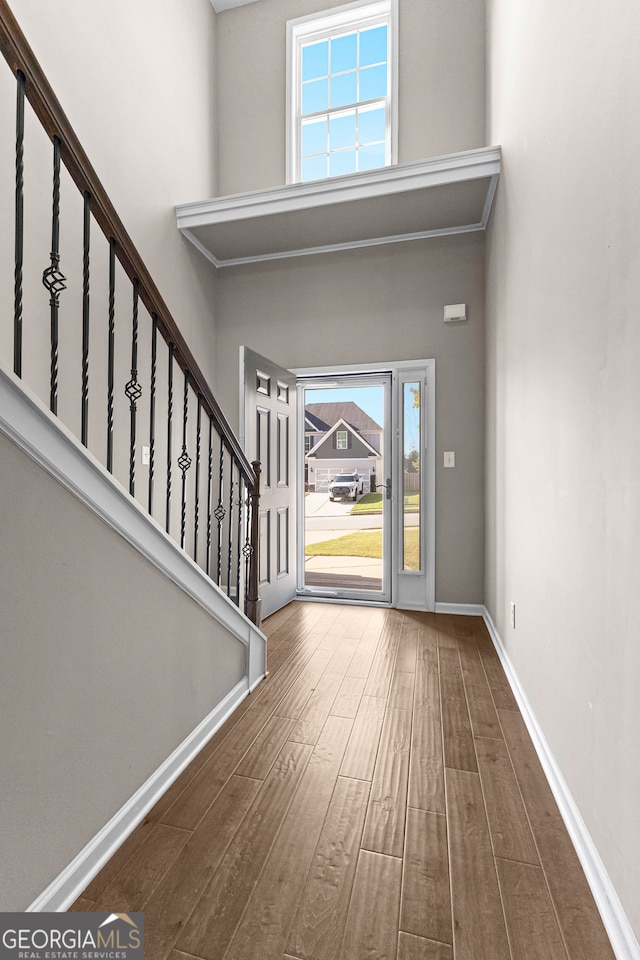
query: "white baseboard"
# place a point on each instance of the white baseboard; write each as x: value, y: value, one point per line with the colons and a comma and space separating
x: 69, y: 884
x: 463, y: 609
x: 623, y: 940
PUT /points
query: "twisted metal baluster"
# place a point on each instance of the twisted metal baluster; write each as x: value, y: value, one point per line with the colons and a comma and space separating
x: 196, y: 510
x: 152, y: 408
x: 220, y: 512
x: 111, y: 351
x: 133, y: 391
x: 52, y: 277
x: 169, y: 417
x: 86, y: 236
x: 19, y: 229
x: 209, y: 483
x: 230, y: 548
x: 239, y: 539
x: 184, y: 460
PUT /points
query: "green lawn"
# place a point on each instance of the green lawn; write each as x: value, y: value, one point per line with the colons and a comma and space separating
x: 366, y: 543
x: 372, y: 503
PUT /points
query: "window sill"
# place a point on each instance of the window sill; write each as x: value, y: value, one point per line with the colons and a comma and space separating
x: 410, y: 201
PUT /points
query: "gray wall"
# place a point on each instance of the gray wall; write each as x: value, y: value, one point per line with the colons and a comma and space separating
x: 563, y: 395
x: 441, y: 85
x: 376, y: 305
x: 105, y: 668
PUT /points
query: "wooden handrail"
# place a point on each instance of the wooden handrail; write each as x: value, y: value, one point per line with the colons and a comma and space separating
x: 47, y: 108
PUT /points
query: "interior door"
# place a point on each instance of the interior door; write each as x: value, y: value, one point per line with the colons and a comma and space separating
x: 268, y: 399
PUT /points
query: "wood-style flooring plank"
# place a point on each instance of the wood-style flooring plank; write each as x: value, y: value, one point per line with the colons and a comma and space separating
x: 364, y: 656
x: 372, y: 922
x: 580, y: 922
x: 401, y: 690
x: 459, y: 751
x: 320, y: 920
x: 427, y: 636
x: 212, y: 924
x: 312, y: 719
x: 175, y: 898
x: 384, y: 826
x: 271, y: 908
x: 131, y: 888
x: 408, y: 647
x: 426, y: 769
x: 416, y: 948
x: 261, y: 756
x: 426, y: 900
x: 484, y: 719
x: 531, y: 920
x: 500, y: 689
x: 381, y: 672
x: 349, y: 696
x: 82, y: 905
x: 360, y: 757
x: 295, y: 699
x: 479, y: 931
x: 119, y: 860
x: 508, y: 821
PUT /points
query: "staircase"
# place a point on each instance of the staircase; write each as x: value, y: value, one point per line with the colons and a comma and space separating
x: 129, y: 520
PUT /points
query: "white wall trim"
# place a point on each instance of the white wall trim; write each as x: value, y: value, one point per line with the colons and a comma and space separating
x: 26, y: 421
x: 463, y: 609
x: 338, y: 247
x: 621, y: 935
x: 70, y: 883
x: 220, y: 5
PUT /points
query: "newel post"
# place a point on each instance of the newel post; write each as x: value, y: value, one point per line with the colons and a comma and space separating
x: 254, y: 603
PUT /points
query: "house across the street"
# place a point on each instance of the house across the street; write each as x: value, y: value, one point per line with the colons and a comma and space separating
x: 340, y: 438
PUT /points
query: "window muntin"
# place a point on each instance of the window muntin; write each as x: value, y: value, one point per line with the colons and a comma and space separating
x: 341, y: 440
x: 340, y: 103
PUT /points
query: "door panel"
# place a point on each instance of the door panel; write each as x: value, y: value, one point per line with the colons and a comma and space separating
x: 268, y: 398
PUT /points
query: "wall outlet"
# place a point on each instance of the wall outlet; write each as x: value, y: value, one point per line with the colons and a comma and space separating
x: 513, y: 615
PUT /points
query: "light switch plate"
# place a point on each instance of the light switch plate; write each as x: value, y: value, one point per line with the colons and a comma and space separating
x: 449, y: 458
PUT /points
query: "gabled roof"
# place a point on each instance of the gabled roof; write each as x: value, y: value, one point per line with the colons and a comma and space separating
x: 342, y: 425
x: 326, y: 415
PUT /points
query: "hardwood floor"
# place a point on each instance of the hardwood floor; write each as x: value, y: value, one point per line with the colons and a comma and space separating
x: 376, y: 797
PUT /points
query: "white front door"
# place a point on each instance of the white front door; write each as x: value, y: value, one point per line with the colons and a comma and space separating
x: 269, y: 419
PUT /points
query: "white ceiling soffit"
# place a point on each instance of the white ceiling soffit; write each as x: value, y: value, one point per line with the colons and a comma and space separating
x: 220, y: 5
x: 408, y: 201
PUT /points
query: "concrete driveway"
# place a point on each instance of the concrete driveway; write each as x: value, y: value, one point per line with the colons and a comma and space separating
x: 321, y: 514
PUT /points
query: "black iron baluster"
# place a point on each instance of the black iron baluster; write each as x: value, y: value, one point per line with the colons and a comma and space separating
x: 196, y: 509
x: 220, y: 512
x: 169, y: 418
x: 209, y: 481
x: 133, y: 391
x: 152, y: 407
x: 86, y: 237
x: 184, y: 460
x: 239, y: 539
x: 19, y: 229
x: 230, y: 544
x: 247, y: 549
x: 111, y: 351
x: 52, y: 278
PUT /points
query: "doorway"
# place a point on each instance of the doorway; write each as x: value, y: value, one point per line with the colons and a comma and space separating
x: 345, y: 520
x: 402, y: 512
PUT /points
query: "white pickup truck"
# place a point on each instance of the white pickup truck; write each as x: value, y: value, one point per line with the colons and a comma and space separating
x: 349, y: 485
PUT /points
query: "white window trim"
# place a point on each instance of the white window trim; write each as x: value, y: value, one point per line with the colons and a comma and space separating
x: 342, y: 436
x: 301, y: 30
